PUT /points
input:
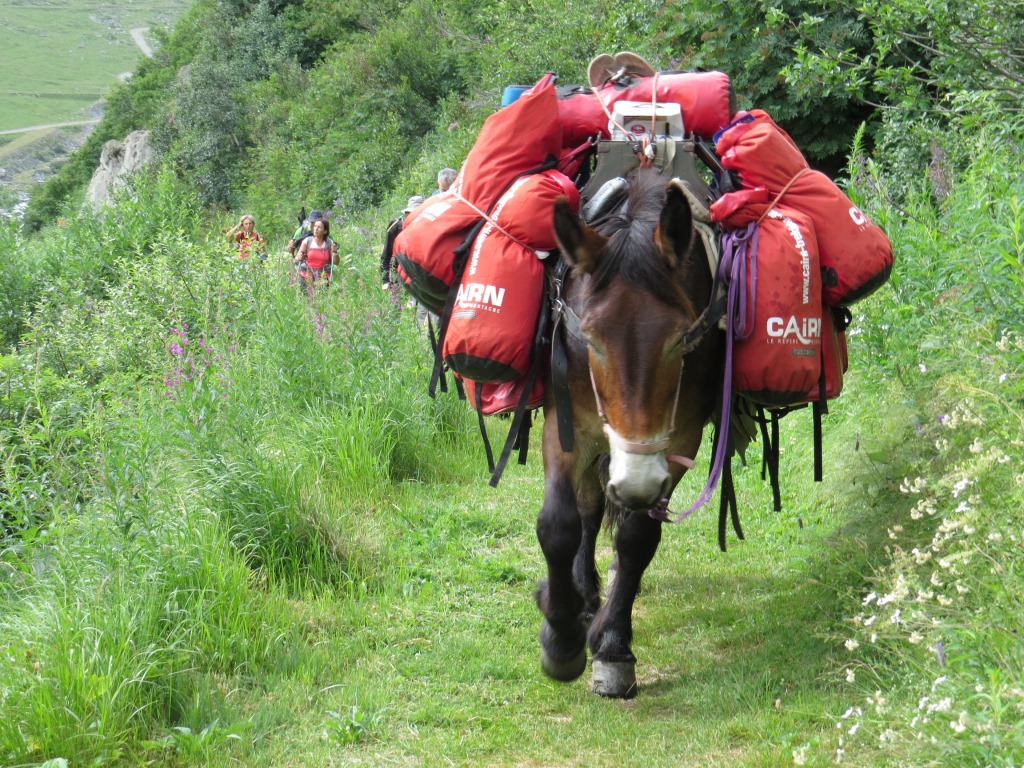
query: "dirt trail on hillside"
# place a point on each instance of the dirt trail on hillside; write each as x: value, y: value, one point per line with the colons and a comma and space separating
x: 48, y: 126
x: 138, y: 36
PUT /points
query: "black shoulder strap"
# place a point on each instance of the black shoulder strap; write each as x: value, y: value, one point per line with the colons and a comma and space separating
x: 519, y: 432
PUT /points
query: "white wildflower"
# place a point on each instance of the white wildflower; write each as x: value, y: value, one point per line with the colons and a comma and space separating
x: 922, y: 367
x: 976, y: 446
x: 851, y: 676
x: 851, y: 644
x: 915, y: 637
x: 880, y: 703
x: 896, y: 618
x: 1002, y: 378
x: 960, y: 724
x: 960, y: 487
x: 869, y: 621
x: 944, y: 705
x: 853, y: 729
x: 870, y: 598
x: 800, y: 755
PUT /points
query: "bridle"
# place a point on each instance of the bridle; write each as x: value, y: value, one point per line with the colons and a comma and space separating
x: 689, y: 340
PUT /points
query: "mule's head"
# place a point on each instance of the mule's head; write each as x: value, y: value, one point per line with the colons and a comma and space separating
x: 635, y: 305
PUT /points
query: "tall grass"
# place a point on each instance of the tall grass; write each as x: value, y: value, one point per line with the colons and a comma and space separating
x: 934, y: 643
x: 197, y: 442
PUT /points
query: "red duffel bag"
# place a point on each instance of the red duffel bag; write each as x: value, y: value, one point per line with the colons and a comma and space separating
x: 856, y: 256
x: 777, y: 347
x: 424, y: 252
x: 705, y: 99
x: 490, y: 334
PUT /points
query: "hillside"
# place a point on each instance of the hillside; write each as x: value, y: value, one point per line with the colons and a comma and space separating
x: 235, y: 529
x: 60, y: 62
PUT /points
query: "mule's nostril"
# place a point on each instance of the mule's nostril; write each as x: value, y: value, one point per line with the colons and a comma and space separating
x: 634, y: 497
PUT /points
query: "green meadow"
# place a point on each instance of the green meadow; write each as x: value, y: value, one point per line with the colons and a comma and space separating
x: 235, y: 529
x: 62, y: 56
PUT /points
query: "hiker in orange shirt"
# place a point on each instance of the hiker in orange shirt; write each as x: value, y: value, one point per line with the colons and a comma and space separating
x: 249, y: 241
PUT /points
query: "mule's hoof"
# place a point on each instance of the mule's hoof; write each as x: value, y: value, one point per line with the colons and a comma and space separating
x: 563, y: 669
x: 615, y: 679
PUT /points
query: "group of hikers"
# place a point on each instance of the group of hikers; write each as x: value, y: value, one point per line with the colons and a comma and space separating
x: 313, y: 253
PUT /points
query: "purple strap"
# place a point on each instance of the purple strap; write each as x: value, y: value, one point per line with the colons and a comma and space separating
x: 739, y: 248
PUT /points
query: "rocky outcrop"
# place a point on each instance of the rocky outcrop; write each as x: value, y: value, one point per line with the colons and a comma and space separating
x: 119, y: 159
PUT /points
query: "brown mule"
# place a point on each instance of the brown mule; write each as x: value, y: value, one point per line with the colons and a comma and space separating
x: 642, y: 389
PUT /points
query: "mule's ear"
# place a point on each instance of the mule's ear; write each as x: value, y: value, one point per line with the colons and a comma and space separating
x: 580, y: 245
x: 675, y: 228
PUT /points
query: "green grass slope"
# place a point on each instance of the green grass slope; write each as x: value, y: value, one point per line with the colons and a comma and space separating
x: 237, y: 531
x: 62, y: 58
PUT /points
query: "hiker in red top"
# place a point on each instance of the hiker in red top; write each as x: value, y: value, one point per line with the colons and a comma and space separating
x: 248, y: 240
x: 317, y: 254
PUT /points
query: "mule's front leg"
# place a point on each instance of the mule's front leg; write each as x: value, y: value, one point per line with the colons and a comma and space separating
x: 611, y: 634
x: 563, y: 651
x: 590, y: 503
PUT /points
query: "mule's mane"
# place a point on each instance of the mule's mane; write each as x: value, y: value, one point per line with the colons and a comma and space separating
x: 631, y: 252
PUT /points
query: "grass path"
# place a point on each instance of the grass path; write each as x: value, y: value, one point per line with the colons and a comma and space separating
x: 738, y: 659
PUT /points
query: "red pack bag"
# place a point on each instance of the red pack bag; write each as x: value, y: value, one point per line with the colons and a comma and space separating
x: 777, y: 349
x: 855, y: 254
x: 515, y: 140
x: 490, y: 334
x: 705, y: 99
x: 424, y: 251
x: 520, y: 138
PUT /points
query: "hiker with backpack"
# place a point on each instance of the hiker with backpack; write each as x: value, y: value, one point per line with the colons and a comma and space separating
x: 304, y: 230
x: 317, y: 255
x: 394, y: 227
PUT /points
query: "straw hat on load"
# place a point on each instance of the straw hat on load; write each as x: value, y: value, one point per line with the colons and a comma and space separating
x: 603, y: 67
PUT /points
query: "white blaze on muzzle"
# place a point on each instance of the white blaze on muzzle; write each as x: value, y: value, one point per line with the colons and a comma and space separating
x: 638, y: 472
